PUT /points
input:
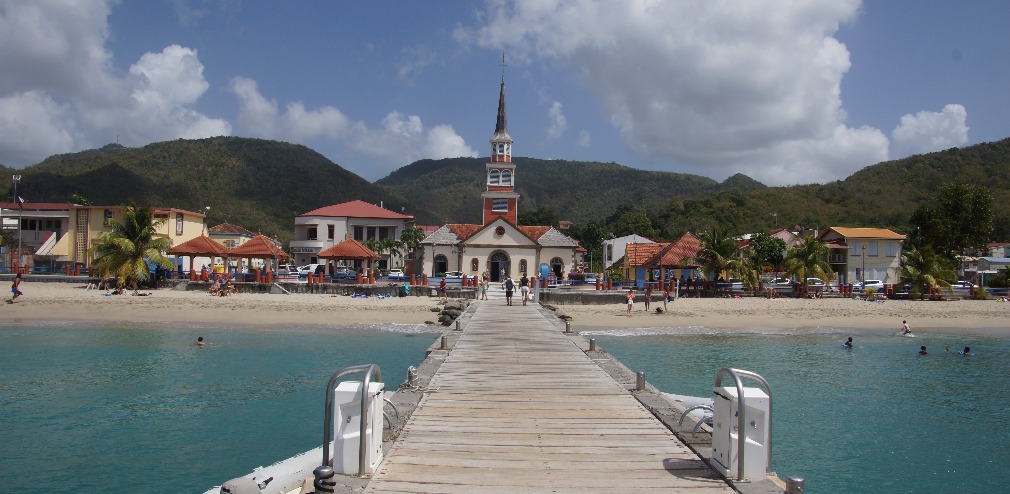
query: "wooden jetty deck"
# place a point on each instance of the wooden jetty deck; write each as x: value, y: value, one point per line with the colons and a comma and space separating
x: 518, y: 407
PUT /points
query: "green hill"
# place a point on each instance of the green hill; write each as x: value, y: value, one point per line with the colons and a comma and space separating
x: 262, y: 185
x: 259, y: 184
x: 578, y: 191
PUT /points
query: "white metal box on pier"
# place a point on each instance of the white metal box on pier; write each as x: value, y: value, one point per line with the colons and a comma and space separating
x: 725, y: 431
x: 346, y: 426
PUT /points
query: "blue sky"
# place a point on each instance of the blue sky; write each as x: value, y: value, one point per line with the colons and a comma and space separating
x: 783, y: 91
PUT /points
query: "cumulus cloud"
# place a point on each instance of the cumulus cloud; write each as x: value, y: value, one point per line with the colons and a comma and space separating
x: 399, y: 139
x: 719, y: 86
x: 928, y: 131
x: 59, y: 91
x: 585, y: 139
x: 558, y: 123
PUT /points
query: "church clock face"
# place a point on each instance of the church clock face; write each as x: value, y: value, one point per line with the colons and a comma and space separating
x: 499, y: 231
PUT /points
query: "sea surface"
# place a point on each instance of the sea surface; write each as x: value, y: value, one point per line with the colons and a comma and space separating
x: 876, y: 418
x: 89, y: 409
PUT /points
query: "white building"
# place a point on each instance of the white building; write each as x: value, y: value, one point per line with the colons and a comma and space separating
x: 325, y: 227
x: 615, y: 248
x: 499, y: 246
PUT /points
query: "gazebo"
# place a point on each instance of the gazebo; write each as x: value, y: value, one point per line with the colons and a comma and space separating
x: 353, y: 250
x: 259, y: 247
x: 199, y: 247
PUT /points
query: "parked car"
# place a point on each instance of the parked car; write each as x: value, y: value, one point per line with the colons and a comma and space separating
x: 287, y: 269
x: 453, y: 274
x: 309, y: 268
x: 395, y: 273
x: 962, y: 286
x: 876, y: 285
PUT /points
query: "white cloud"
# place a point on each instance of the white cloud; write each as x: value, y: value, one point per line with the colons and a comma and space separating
x: 928, y: 131
x: 400, y: 139
x: 721, y: 86
x: 558, y: 123
x: 585, y: 139
x: 60, y: 92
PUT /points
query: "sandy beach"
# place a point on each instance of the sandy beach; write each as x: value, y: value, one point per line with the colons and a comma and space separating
x: 70, y: 302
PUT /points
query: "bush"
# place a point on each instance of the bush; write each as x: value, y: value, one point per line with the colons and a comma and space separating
x: 577, y: 276
x: 981, y: 293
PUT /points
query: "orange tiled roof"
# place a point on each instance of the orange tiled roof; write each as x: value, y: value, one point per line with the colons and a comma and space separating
x: 463, y: 230
x: 349, y: 249
x: 867, y: 233
x: 639, y: 254
x: 259, y: 247
x: 685, y: 247
x: 357, y: 209
x: 201, y: 246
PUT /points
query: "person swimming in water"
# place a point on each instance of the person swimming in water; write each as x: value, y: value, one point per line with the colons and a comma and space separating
x: 922, y: 350
x: 199, y: 341
x: 905, y: 330
x: 848, y: 343
x: 966, y: 351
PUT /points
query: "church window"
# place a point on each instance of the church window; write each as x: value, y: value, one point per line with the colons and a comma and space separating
x: 474, y: 264
x: 506, y: 177
x: 499, y: 205
x: 522, y: 266
x: 493, y: 177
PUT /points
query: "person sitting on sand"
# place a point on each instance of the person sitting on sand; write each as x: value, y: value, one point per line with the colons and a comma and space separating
x: 214, y: 287
x: 922, y: 350
x: 848, y: 343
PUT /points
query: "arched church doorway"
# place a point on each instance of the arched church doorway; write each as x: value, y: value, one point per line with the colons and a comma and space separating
x: 498, y: 265
x: 558, y: 267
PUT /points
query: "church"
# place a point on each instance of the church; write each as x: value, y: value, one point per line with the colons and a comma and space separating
x: 499, y: 246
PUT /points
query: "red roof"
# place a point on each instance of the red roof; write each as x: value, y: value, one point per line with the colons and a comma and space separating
x: 638, y: 254
x: 357, y: 209
x: 464, y: 230
x: 349, y: 249
x: 200, y: 246
x: 685, y: 247
x: 259, y: 247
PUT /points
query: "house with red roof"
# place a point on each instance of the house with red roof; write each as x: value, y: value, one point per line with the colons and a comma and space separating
x: 499, y: 246
x: 320, y: 229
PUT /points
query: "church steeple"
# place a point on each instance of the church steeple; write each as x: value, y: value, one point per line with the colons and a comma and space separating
x: 501, y: 141
x: 500, y: 198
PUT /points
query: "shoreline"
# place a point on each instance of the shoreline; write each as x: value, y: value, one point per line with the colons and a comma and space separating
x: 58, y: 302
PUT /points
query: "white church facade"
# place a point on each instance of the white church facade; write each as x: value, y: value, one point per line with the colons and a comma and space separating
x: 499, y: 246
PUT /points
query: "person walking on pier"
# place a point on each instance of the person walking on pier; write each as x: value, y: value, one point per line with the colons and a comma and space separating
x: 509, y: 286
x: 524, y: 288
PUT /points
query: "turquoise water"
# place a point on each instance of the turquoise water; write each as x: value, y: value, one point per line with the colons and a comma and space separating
x: 130, y: 409
x: 877, y: 418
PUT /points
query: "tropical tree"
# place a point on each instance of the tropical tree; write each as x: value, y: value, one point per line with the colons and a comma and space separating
x: 720, y: 252
x: 767, y: 250
x: 124, y: 252
x: 808, y: 259
x: 924, y: 269
x: 411, y: 239
x: 959, y: 217
x: 392, y: 246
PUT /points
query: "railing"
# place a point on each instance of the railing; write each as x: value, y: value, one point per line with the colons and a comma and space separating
x: 741, y: 435
x: 326, y: 470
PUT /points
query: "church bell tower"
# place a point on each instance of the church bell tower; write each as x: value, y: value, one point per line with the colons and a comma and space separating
x: 500, y: 199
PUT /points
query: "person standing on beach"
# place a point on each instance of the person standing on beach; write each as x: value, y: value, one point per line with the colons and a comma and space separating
x: 442, y: 293
x: 15, y: 288
x: 648, y: 295
x: 631, y: 300
x: 666, y: 298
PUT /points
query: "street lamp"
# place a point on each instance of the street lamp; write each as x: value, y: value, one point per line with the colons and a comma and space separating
x: 863, y: 248
x: 17, y: 178
x: 206, y: 219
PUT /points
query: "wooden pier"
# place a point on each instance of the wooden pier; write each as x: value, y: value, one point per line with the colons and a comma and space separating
x: 517, y: 406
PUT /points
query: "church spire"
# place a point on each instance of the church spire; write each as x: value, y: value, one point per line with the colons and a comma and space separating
x: 501, y: 141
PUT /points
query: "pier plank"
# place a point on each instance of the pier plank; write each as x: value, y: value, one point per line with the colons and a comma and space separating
x: 517, y: 407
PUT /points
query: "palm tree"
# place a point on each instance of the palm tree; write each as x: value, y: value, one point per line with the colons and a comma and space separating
x: 808, y: 259
x: 924, y: 269
x: 719, y: 252
x: 411, y: 239
x: 122, y: 252
x: 392, y: 246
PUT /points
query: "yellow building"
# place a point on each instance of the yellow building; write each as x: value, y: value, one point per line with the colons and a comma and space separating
x: 80, y: 226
